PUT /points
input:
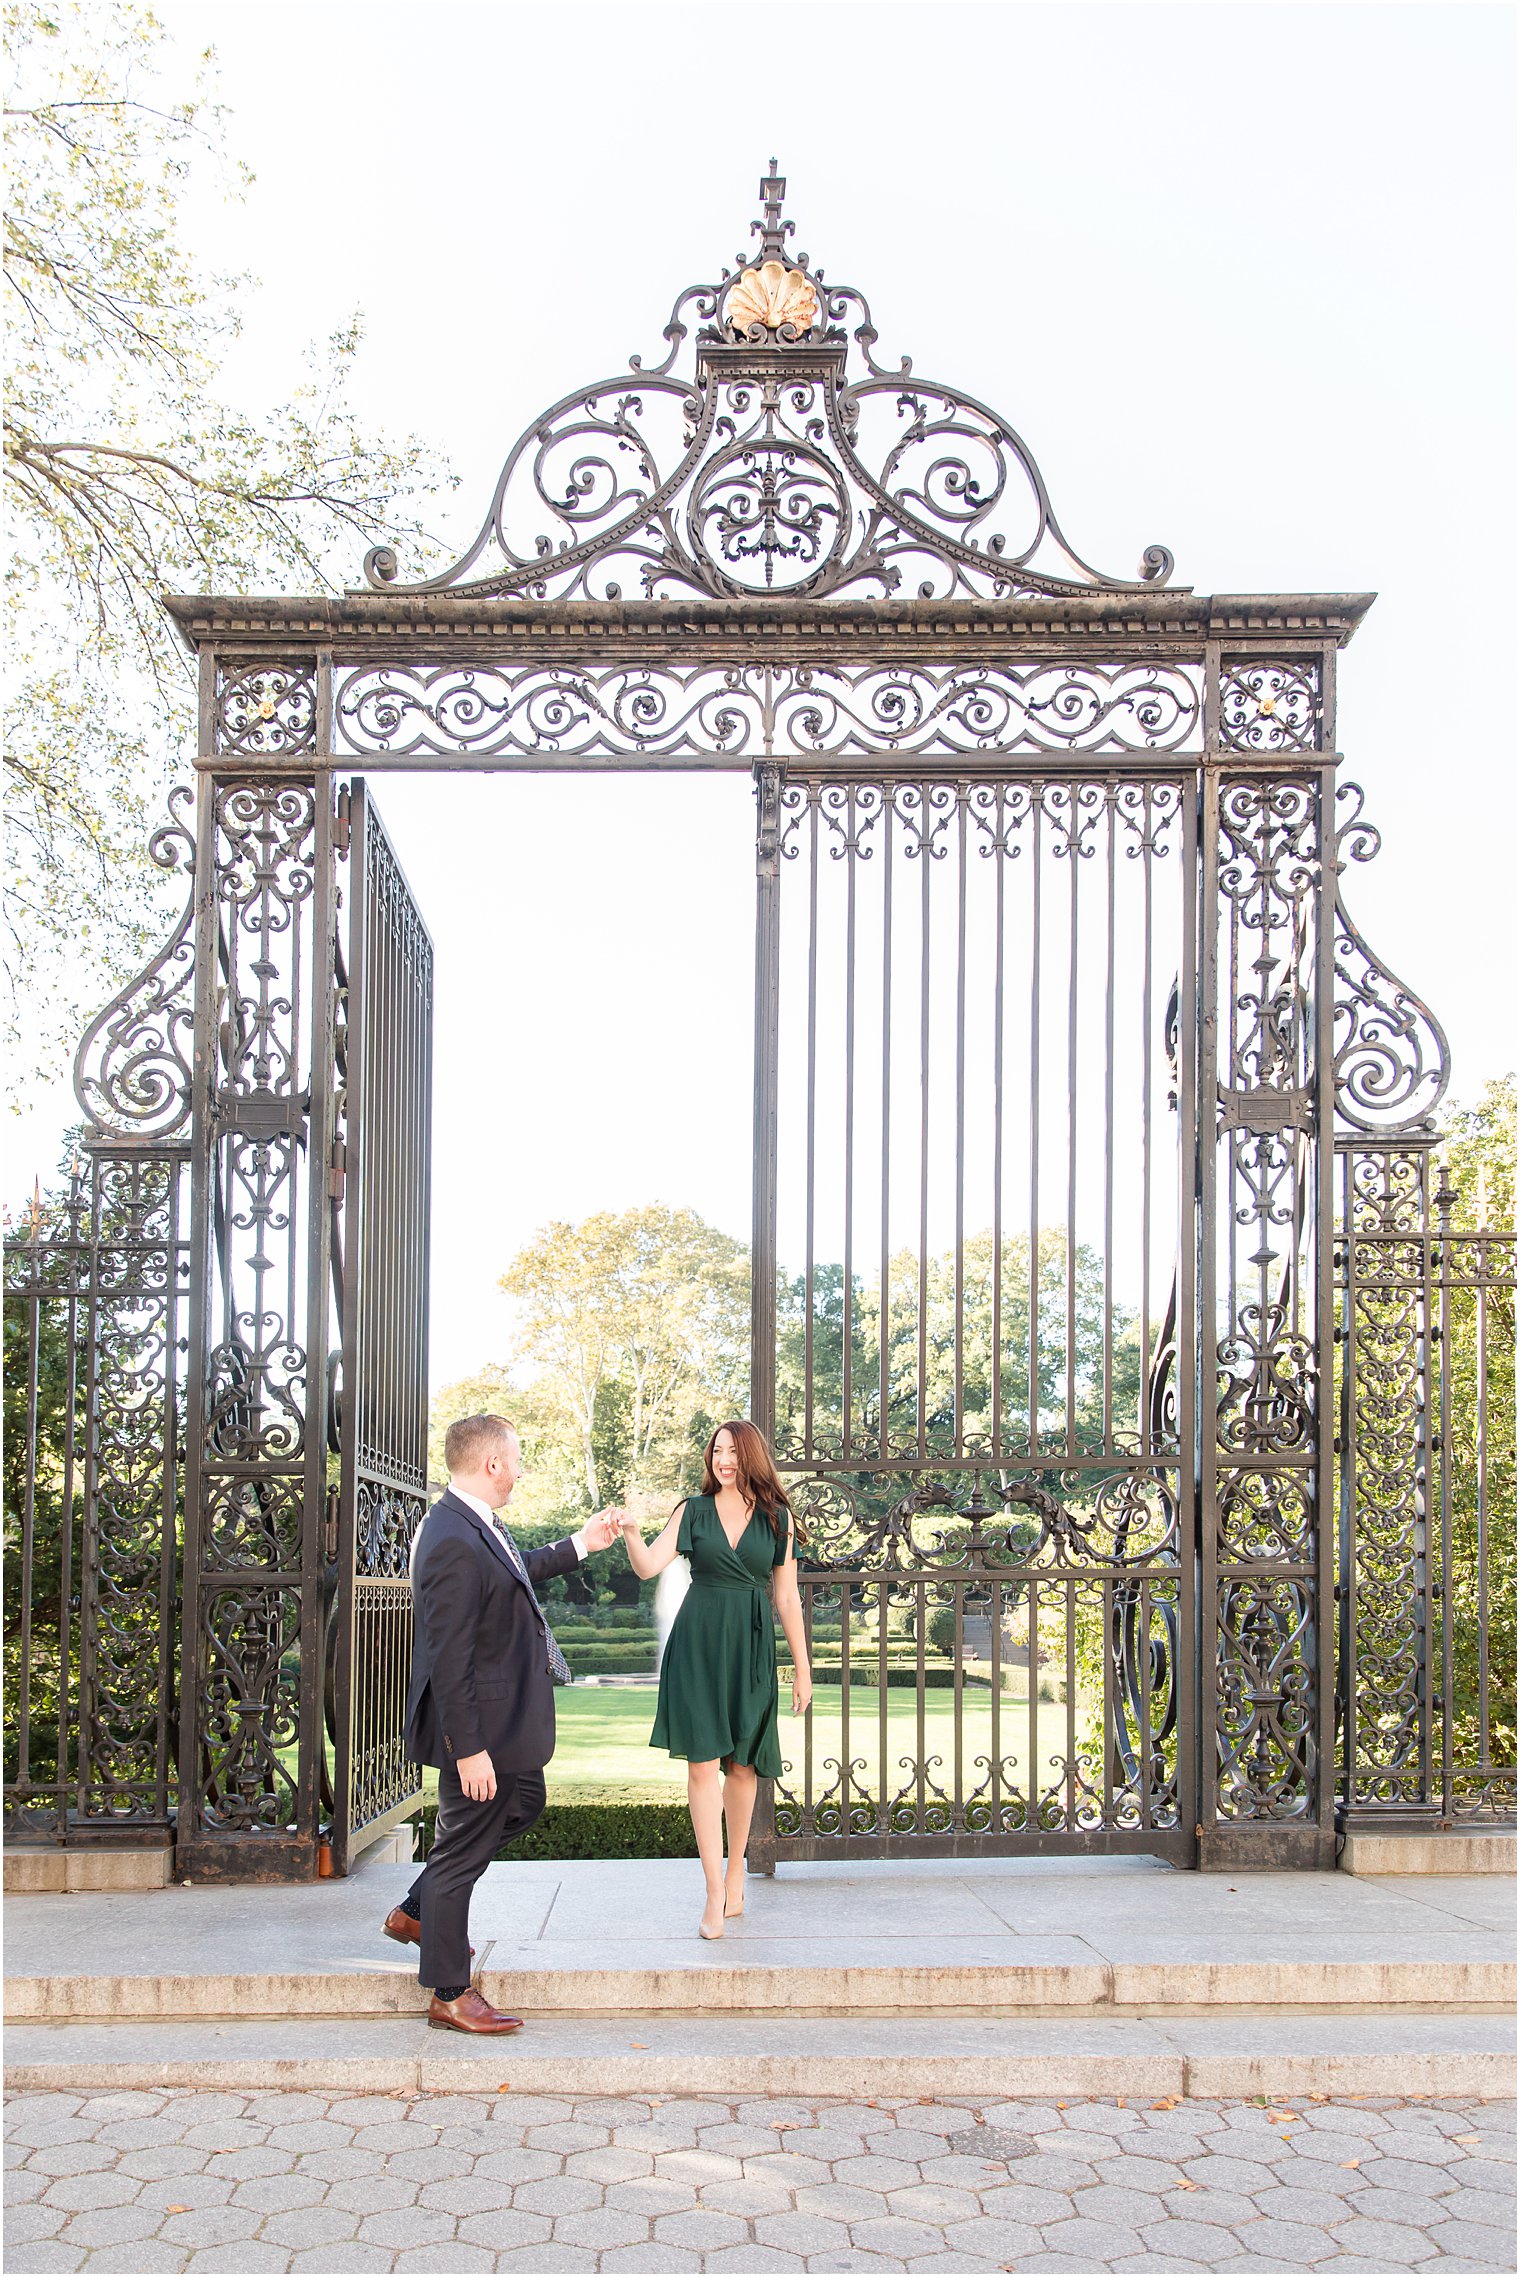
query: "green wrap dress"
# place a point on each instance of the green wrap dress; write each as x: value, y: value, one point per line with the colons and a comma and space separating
x: 718, y: 1678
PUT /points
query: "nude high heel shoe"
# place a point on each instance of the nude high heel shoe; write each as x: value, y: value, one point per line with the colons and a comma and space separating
x: 704, y: 1931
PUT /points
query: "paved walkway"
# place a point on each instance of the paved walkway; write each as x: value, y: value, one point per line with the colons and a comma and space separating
x: 244, y: 2183
x: 622, y: 1933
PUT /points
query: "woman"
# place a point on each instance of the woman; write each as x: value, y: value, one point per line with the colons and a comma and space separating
x: 717, y: 1701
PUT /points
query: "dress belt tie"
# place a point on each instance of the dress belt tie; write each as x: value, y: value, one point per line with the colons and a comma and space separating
x: 759, y: 1628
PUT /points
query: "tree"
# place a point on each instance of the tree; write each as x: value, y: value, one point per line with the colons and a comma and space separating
x: 964, y: 1321
x: 634, y: 1322
x: 126, y: 475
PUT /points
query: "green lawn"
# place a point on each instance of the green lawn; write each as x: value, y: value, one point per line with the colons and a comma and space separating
x: 603, y: 1745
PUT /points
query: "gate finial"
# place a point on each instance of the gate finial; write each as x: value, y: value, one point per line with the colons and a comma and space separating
x: 773, y: 232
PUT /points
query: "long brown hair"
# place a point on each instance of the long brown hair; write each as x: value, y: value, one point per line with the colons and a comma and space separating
x: 758, y: 1480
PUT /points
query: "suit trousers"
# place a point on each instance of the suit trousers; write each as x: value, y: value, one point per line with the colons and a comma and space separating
x: 466, y: 1839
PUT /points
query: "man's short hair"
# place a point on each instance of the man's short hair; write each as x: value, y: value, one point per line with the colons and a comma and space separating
x: 470, y: 1443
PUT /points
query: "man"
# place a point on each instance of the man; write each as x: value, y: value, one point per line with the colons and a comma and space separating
x: 481, y: 1704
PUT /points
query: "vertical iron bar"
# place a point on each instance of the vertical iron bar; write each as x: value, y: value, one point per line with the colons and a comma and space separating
x: 962, y: 792
x: 1322, y: 1798
x: 1111, y: 803
x: 28, y: 1545
x: 1037, y: 803
x: 1443, y: 1591
x: 767, y: 1003
x: 1204, y: 1449
x: 204, y: 1209
x: 884, y: 1354
x: 319, y: 1137
x: 1480, y: 1303
x: 1073, y: 983
x: 812, y: 1126
x: 847, y: 1389
x: 998, y: 862
x: 1147, y: 1059
x: 1193, y: 1680
x: 926, y: 865
x: 1346, y: 1627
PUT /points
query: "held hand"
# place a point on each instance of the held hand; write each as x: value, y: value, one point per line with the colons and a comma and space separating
x: 802, y: 1693
x: 477, y: 1776
x: 602, y: 1530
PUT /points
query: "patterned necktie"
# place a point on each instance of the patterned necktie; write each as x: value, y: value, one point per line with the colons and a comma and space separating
x: 559, y: 1667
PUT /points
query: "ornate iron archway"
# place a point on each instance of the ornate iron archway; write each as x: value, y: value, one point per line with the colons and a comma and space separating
x: 1072, y: 1243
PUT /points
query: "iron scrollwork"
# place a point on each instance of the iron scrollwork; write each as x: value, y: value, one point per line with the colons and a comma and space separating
x: 254, y: 1457
x: 487, y: 709
x: 267, y: 711
x: 1392, y: 1060
x: 1266, y: 1417
x: 132, y: 1068
x: 1271, y: 707
x: 762, y: 456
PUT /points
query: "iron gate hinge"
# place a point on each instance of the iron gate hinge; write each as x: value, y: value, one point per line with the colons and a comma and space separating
x: 343, y: 820
x: 336, y: 1170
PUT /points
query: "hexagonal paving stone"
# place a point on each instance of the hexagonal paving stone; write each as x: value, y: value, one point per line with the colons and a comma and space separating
x: 379, y: 2193
x: 277, y: 2192
x: 407, y: 2225
x: 79, y: 2192
x: 652, y: 2194
x: 896, y: 2236
x: 935, y: 2202
x: 451, y: 2260
x: 72, y: 2158
x: 1494, y: 2246
x: 567, y: 2135
x: 602, y: 2228
x: 699, y: 2231
x: 1290, y: 2242
x: 313, y: 2225
x: 1094, y: 2242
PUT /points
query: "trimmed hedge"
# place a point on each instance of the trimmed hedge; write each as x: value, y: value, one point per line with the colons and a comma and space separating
x: 906, y: 1679
x: 596, y: 1830
x: 624, y: 1639
x: 582, y: 1662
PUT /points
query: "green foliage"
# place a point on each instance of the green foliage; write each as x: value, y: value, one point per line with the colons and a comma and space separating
x: 939, y: 1676
x: 980, y: 1370
x: 597, y: 1830
x: 127, y: 474
x: 629, y: 1325
x: 1480, y: 1156
x: 609, y: 1660
x: 941, y: 1628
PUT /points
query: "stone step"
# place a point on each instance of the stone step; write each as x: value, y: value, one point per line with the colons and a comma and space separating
x: 857, y: 2055
x: 778, y: 1976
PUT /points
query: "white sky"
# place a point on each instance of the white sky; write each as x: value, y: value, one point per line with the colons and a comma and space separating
x: 1241, y: 276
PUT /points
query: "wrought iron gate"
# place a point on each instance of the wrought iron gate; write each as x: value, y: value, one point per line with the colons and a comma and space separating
x: 1071, y: 1343
x: 986, y: 1441
x: 382, y: 1177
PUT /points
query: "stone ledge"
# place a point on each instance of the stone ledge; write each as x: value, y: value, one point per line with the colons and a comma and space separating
x: 29, y: 1872
x: 1433, y: 1853
x: 805, y: 2056
x: 559, y: 1981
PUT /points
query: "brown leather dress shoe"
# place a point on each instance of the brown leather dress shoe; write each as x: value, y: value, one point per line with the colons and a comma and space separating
x: 405, y: 1930
x: 470, y: 2013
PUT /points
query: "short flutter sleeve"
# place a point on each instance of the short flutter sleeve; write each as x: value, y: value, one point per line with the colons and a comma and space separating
x: 783, y: 1541
x: 683, y: 1531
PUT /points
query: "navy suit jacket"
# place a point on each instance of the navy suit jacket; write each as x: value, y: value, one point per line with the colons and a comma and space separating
x: 480, y: 1671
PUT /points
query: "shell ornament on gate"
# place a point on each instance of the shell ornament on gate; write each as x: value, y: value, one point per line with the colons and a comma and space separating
x: 770, y: 298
